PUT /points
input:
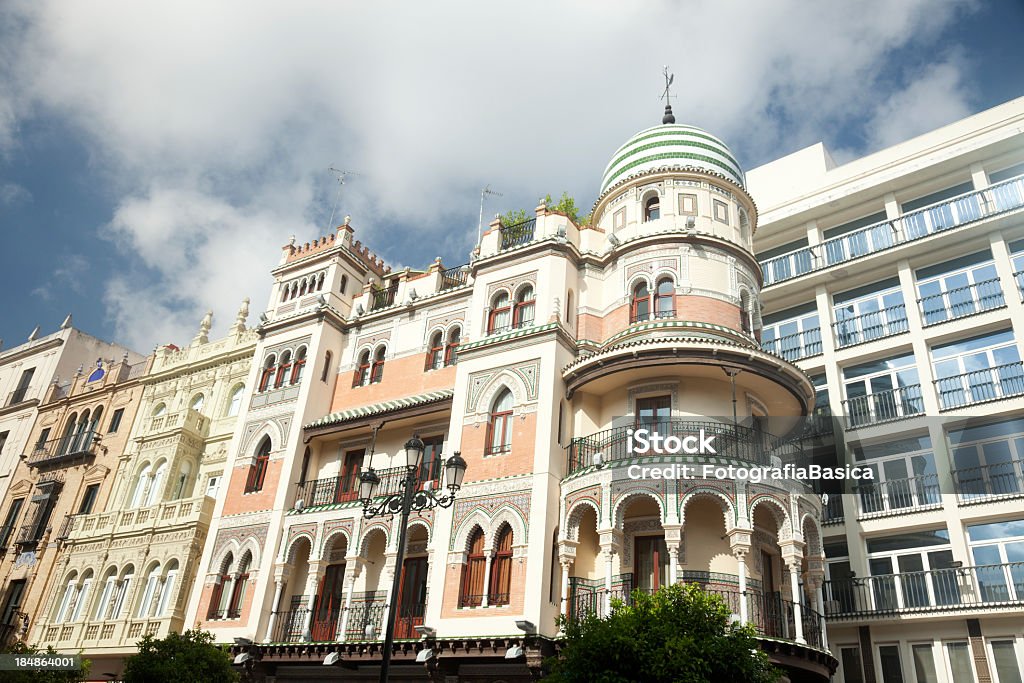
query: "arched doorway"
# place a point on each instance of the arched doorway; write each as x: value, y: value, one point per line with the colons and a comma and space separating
x: 412, y: 591
x: 330, y: 598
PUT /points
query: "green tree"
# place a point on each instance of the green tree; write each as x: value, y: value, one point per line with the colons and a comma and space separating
x: 680, y: 634
x: 20, y: 648
x: 190, y: 657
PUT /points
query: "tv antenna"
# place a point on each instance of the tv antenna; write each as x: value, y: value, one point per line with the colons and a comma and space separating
x: 337, y: 197
x: 484, y: 193
x: 667, y: 95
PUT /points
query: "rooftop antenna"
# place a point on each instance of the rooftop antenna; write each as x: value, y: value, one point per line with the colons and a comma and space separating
x: 667, y: 95
x: 480, y: 224
x: 341, y: 183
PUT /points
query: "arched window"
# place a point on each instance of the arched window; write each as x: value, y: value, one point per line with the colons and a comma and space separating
x: 501, y: 313
x: 69, y: 434
x: 156, y: 488
x: 435, y: 355
x: 525, y: 304
x: 184, y: 474
x: 362, y: 376
x: 377, y: 370
x: 258, y: 470
x: 501, y: 569
x: 235, y: 402
x: 344, y: 284
x: 302, y: 288
x: 146, y: 604
x: 472, y: 593
x: 320, y: 282
x: 167, y: 589
x: 269, y: 366
x: 640, y: 307
x: 67, y: 599
x: 238, y: 590
x: 652, y: 209
x: 82, y: 597
x: 160, y: 410
x: 109, y: 586
x: 664, y: 299
x: 78, y: 441
x: 451, y: 349
x: 123, y: 592
x: 299, y: 365
x: 282, y: 369
x: 94, y: 426
x: 140, y: 486
x: 284, y: 293
x: 197, y: 402
x: 499, y: 428
x: 328, y: 357
x: 222, y: 590
x: 295, y: 290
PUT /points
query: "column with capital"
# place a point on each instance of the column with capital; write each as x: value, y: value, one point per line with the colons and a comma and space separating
x: 793, y: 564
x: 353, y: 568
x: 566, y: 556
x: 673, y: 542
x: 281, y: 572
x: 739, y: 544
x: 489, y: 559
x: 317, y: 568
x: 611, y: 545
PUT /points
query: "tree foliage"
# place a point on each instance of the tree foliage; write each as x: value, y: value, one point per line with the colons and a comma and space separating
x: 20, y: 648
x: 190, y: 657
x: 680, y: 634
x: 565, y: 204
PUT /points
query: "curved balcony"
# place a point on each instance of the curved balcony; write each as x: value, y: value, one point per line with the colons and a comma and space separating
x: 730, y: 442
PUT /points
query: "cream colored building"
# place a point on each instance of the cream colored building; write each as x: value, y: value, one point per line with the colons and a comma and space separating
x: 895, y: 281
x: 128, y: 567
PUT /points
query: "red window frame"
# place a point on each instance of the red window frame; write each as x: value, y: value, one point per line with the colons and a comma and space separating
x: 297, y: 366
x: 660, y: 296
x: 641, y: 296
x: 500, y: 420
x: 268, y: 372
x: 501, y: 570
x: 517, y: 311
x: 282, y: 369
x: 472, y: 589
x: 435, y: 356
x: 377, y: 367
x: 258, y: 470
x: 498, y: 310
x: 451, y: 349
x: 362, y: 375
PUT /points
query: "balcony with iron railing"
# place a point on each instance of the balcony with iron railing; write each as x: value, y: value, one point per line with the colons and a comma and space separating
x: 361, y: 620
x: 961, y: 302
x: 898, y: 496
x: 981, y: 386
x: 345, y: 488
x: 518, y: 234
x: 832, y: 510
x: 731, y: 442
x: 869, y: 326
x: 989, y: 482
x: 19, y: 395
x: 793, y: 347
x: 383, y: 297
x: 457, y: 276
x: 63, y: 449
x: 647, y: 316
x: 997, y: 587
x: 915, y: 225
x: 884, y: 406
x: 772, y: 615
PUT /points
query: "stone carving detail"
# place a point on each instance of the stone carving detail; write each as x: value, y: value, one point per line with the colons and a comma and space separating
x: 370, y: 340
x: 519, y: 501
x: 240, y: 535
x: 527, y: 372
x: 511, y: 284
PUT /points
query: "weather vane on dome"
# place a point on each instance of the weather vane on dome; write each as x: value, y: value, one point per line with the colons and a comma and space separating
x: 667, y: 95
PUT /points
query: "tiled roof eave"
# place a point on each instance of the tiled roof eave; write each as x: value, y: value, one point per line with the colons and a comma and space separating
x: 382, y: 408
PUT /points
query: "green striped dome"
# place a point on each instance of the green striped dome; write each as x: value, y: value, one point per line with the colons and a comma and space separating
x: 671, y: 145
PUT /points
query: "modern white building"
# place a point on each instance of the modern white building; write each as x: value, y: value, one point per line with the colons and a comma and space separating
x: 895, y: 282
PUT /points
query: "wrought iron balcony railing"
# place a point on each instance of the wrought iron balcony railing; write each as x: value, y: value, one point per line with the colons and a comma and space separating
x: 935, y: 590
x: 884, y: 406
x: 870, y: 326
x: 518, y: 234
x: 899, y: 495
x: 734, y: 442
x: 979, y: 386
x: 345, y: 488
x: 795, y: 346
x: 644, y: 316
x: 64, y: 448
x: 454, y: 277
x: 382, y: 298
x: 961, y: 302
x: 771, y: 614
x: 978, y: 484
x: 950, y: 213
x: 832, y: 510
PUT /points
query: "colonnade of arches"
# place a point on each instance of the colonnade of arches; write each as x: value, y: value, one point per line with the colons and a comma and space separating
x: 117, y: 593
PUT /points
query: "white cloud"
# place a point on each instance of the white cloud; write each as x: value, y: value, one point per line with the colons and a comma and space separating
x: 13, y: 193
x: 216, y: 122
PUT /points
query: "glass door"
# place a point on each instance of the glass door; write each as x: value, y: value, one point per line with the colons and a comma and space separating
x: 327, y: 611
x: 651, y: 563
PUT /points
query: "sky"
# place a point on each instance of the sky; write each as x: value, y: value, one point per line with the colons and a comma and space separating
x: 156, y: 156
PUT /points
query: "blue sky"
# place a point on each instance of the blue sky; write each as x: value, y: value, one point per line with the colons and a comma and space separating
x: 154, y: 157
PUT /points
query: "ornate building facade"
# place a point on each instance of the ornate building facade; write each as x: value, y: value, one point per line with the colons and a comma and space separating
x: 53, y: 457
x: 534, y: 361
x: 128, y: 566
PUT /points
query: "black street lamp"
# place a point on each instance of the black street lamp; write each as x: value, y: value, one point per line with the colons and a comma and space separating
x: 404, y: 502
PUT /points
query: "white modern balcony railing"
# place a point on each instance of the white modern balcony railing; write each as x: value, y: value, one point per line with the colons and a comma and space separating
x: 795, y: 346
x: 872, y: 325
x: 951, y: 213
x: 898, y: 496
x: 884, y: 406
x: 980, y: 386
x: 992, y: 586
x: 987, y: 482
x: 961, y: 302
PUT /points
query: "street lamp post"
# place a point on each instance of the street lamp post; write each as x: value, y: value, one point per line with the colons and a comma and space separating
x: 404, y: 502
